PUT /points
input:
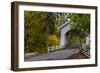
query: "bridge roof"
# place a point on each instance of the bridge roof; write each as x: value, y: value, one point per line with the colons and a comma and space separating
x: 66, y: 23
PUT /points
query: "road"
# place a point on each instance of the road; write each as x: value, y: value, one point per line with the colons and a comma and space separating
x: 56, y: 55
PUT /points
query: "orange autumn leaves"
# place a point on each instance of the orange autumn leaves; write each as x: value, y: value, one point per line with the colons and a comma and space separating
x: 53, y: 40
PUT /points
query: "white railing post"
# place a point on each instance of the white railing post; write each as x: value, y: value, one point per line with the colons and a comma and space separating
x: 48, y: 50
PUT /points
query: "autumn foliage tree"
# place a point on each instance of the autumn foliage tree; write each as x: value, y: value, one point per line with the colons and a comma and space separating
x: 35, y: 31
x: 53, y: 40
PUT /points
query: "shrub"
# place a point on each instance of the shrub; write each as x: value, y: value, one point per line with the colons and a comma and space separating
x: 53, y: 40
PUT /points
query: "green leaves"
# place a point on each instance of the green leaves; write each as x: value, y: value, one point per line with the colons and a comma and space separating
x: 80, y: 22
x: 35, y: 31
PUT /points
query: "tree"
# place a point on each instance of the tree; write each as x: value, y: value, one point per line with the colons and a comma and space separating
x: 81, y: 23
x: 53, y: 40
x: 35, y: 31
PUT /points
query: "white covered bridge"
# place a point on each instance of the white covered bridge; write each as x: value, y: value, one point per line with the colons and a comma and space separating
x: 64, y: 29
x: 64, y: 40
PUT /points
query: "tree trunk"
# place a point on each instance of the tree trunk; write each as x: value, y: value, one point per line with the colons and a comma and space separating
x: 80, y: 43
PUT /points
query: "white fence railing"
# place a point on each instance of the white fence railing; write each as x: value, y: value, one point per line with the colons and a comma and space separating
x: 53, y: 48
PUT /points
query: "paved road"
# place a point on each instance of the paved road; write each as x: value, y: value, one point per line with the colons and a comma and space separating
x: 56, y: 55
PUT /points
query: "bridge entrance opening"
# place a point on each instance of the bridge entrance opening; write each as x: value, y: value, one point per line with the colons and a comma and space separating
x: 72, y: 39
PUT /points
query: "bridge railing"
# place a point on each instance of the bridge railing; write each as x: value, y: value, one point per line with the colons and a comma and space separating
x: 54, y: 48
